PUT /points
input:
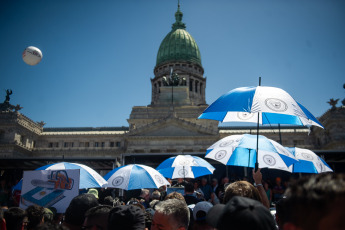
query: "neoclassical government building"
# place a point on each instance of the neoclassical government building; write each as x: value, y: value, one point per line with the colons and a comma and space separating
x: 168, y: 126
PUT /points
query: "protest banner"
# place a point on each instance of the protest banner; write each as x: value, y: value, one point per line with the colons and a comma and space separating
x: 50, y: 188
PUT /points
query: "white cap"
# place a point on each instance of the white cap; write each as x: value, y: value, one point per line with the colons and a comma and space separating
x: 202, y: 206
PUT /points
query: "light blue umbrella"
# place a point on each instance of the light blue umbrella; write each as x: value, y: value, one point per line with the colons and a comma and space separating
x: 89, y: 178
x: 185, y: 166
x: 308, y: 162
x: 270, y: 105
x: 275, y: 105
x: 240, y: 150
x: 135, y: 176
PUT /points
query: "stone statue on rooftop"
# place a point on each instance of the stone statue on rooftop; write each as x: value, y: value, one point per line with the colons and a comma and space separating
x: 333, y: 102
x: 6, y: 106
x: 8, y: 93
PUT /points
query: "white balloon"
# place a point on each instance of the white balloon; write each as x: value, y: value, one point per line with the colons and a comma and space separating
x: 32, y: 55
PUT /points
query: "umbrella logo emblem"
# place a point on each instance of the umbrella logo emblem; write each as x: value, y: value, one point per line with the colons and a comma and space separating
x: 220, y: 154
x: 182, y: 173
x: 183, y: 162
x: 269, y: 160
x: 244, y: 115
x: 159, y: 179
x: 307, y: 156
x: 118, y: 181
x: 276, y: 104
x: 226, y: 143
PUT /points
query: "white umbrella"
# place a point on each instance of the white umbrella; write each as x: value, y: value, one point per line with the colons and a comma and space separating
x: 308, y: 162
x: 185, y: 166
x: 135, y: 176
x: 270, y: 105
x: 240, y: 150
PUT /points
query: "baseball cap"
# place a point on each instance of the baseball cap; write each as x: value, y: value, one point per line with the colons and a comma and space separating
x: 240, y: 213
x: 93, y: 191
x: 201, y: 209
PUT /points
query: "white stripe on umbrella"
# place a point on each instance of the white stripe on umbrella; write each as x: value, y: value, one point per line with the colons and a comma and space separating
x: 135, y: 176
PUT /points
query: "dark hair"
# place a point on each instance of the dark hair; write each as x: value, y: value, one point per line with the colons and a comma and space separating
x: 98, y: 211
x: 14, y: 218
x: 189, y: 187
x: 126, y: 217
x: 316, y: 195
x: 108, y: 200
x: 35, y: 215
x: 77, y: 208
x: 51, y: 226
x: 241, y: 188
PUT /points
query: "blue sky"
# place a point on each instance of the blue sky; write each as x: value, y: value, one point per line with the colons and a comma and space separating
x: 98, y: 56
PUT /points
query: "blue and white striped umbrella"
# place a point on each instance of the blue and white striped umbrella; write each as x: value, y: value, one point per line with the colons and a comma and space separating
x: 135, y: 176
x: 274, y: 105
x: 308, y: 162
x: 240, y: 150
x: 185, y: 166
x: 89, y: 178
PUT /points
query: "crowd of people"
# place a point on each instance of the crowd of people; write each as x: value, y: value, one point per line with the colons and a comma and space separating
x: 313, y: 202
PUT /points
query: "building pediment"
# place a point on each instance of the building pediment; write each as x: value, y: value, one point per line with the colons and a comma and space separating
x: 172, y: 126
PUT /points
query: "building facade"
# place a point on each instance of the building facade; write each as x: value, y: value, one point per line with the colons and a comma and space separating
x: 166, y: 127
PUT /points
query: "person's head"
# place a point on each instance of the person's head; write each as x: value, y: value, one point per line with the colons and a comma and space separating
x: 76, y: 210
x: 48, y: 215
x: 108, y: 200
x: 180, y: 180
x: 170, y: 215
x: 214, y: 182
x: 153, y: 203
x: 126, y: 217
x: 225, y: 180
x: 16, y: 218
x: 241, y: 188
x: 196, y: 184
x: 156, y: 195
x: 279, y: 213
x: 35, y: 216
x: 278, y: 181
x: 50, y: 226
x: 199, y: 215
x: 94, y: 192
x: 203, y: 181
x: 97, y: 217
x: 189, y: 188
x: 145, y: 194
x: 241, y: 213
x: 174, y: 195
x: 316, y: 202
x: 200, y: 210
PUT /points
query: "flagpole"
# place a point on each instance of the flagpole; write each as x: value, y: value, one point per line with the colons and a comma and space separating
x: 257, y: 138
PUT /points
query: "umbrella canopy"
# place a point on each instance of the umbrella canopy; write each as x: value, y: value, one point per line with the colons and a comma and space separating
x: 240, y: 150
x: 275, y: 105
x: 185, y: 166
x: 135, y: 176
x: 89, y: 178
x: 308, y: 162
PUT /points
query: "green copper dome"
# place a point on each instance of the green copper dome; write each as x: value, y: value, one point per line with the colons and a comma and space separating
x: 178, y: 45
